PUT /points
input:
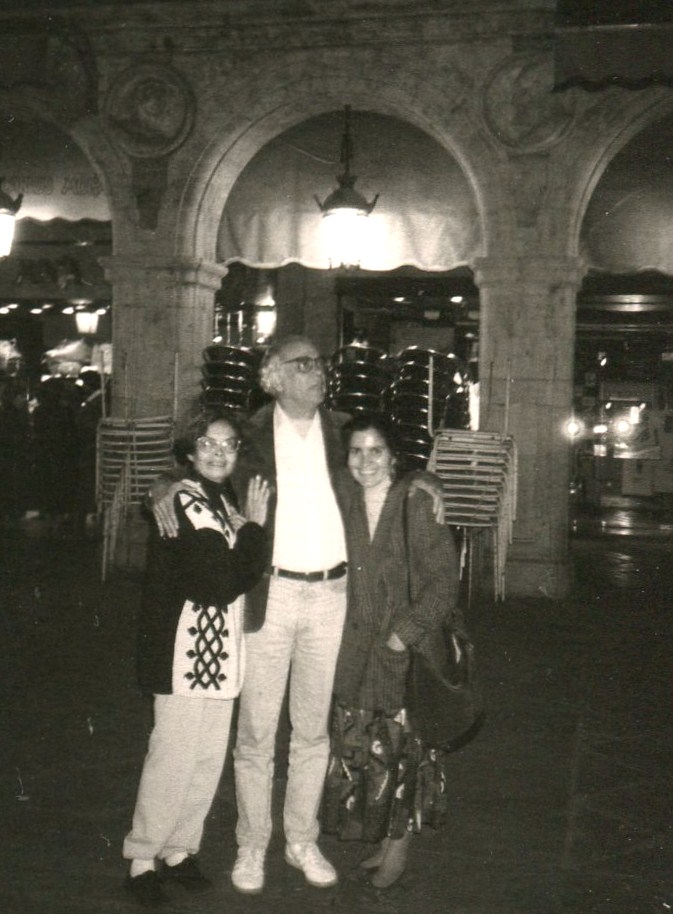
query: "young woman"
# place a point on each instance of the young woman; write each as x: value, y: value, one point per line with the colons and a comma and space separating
x: 382, y: 783
x: 191, y: 656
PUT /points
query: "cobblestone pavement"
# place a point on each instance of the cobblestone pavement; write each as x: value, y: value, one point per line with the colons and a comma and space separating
x: 562, y: 804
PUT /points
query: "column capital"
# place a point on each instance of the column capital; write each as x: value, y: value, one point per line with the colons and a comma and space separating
x: 529, y: 271
x: 183, y: 270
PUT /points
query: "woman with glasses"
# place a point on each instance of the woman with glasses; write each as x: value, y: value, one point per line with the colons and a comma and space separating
x: 382, y: 782
x: 191, y: 655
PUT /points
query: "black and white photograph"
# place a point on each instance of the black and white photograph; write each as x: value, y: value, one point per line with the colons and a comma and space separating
x: 336, y: 456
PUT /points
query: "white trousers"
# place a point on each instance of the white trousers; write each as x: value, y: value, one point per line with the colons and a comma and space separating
x: 182, y: 769
x: 301, y: 633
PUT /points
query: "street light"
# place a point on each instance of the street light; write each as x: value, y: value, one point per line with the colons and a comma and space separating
x: 8, y: 210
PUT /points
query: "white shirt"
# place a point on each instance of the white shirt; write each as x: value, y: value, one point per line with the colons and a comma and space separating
x: 309, y: 533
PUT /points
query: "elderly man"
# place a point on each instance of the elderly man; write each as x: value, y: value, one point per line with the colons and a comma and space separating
x: 295, y: 616
x: 297, y: 445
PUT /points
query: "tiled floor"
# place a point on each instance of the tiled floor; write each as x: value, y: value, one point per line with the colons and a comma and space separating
x: 562, y: 804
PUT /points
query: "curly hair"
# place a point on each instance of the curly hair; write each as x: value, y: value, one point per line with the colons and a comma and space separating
x: 185, y: 441
x: 269, y: 372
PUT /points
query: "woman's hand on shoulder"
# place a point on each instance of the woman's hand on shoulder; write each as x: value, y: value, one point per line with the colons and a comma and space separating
x: 395, y: 643
x: 432, y: 486
x: 257, y: 500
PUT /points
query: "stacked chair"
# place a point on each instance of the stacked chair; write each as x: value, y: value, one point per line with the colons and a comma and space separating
x: 130, y: 454
x: 230, y: 378
x: 427, y: 392
x: 478, y: 471
x: 357, y: 379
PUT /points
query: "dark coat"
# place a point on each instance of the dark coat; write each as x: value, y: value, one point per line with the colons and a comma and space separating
x: 369, y: 674
x: 258, y: 457
x: 198, y: 566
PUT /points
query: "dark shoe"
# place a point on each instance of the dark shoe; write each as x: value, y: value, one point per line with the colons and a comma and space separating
x: 393, y: 864
x: 376, y: 859
x: 146, y: 889
x: 187, y: 874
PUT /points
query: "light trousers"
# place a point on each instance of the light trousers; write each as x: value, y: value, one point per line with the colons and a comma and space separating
x: 300, y: 638
x: 181, y: 772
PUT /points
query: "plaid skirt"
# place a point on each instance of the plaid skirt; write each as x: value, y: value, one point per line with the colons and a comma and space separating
x: 381, y: 780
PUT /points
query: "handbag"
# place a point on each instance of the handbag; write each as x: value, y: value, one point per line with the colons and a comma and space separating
x: 443, y: 691
x: 444, y: 698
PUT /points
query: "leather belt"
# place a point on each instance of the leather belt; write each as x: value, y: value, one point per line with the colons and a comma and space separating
x: 311, y: 577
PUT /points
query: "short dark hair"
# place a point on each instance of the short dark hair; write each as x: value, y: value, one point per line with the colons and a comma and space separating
x: 185, y: 441
x: 364, y: 422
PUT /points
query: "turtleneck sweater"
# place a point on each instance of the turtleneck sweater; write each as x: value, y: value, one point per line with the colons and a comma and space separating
x: 375, y: 496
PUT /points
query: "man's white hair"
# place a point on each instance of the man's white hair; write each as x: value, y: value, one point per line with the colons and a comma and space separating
x: 269, y: 372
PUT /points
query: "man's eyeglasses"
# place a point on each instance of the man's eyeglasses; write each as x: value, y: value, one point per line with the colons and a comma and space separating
x: 307, y: 363
x: 211, y: 445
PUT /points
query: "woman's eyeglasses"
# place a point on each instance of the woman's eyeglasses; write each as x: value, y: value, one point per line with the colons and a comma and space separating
x: 307, y: 363
x: 212, y: 445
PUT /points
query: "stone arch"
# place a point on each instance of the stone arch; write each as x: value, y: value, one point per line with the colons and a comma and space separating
x: 640, y: 113
x: 295, y: 100
x: 109, y: 162
x: 44, y: 108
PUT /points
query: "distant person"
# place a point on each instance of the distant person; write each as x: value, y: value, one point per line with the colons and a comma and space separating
x: 191, y: 655
x: 14, y: 452
x: 87, y: 418
x: 382, y: 782
x: 55, y: 454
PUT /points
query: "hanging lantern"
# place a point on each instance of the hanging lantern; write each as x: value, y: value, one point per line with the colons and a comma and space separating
x: 345, y: 210
x: 8, y: 210
x: 87, y: 321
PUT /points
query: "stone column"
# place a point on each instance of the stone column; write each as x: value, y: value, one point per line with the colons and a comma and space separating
x: 162, y: 317
x: 526, y: 345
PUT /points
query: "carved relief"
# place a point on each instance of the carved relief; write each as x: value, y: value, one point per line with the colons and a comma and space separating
x: 151, y: 110
x: 520, y: 108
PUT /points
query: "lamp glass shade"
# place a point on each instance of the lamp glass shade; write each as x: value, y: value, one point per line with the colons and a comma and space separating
x: 265, y: 322
x: 344, y: 235
x: 87, y: 321
x: 7, y: 221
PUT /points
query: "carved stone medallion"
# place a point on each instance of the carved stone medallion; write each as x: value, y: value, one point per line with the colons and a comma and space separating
x: 150, y: 109
x: 520, y: 107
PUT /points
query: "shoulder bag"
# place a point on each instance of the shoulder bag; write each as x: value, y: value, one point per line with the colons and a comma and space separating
x: 444, y: 697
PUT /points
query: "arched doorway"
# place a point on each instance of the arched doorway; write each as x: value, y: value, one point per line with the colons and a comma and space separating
x: 424, y: 228
x: 624, y: 347
x: 53, y: 293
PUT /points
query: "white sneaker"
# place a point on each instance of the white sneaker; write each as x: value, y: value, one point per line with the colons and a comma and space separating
x: 247, y: 875
x: 307, y: 858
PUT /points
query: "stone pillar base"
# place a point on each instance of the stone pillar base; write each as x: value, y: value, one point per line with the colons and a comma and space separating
x: 538, y: 578
x: 131, y: 547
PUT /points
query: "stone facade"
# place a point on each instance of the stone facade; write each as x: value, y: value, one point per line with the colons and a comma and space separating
x: 170, y: 101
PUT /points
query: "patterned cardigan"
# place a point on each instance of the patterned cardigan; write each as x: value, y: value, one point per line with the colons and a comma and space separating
x: 191, y: 584
x: 382, y: 573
